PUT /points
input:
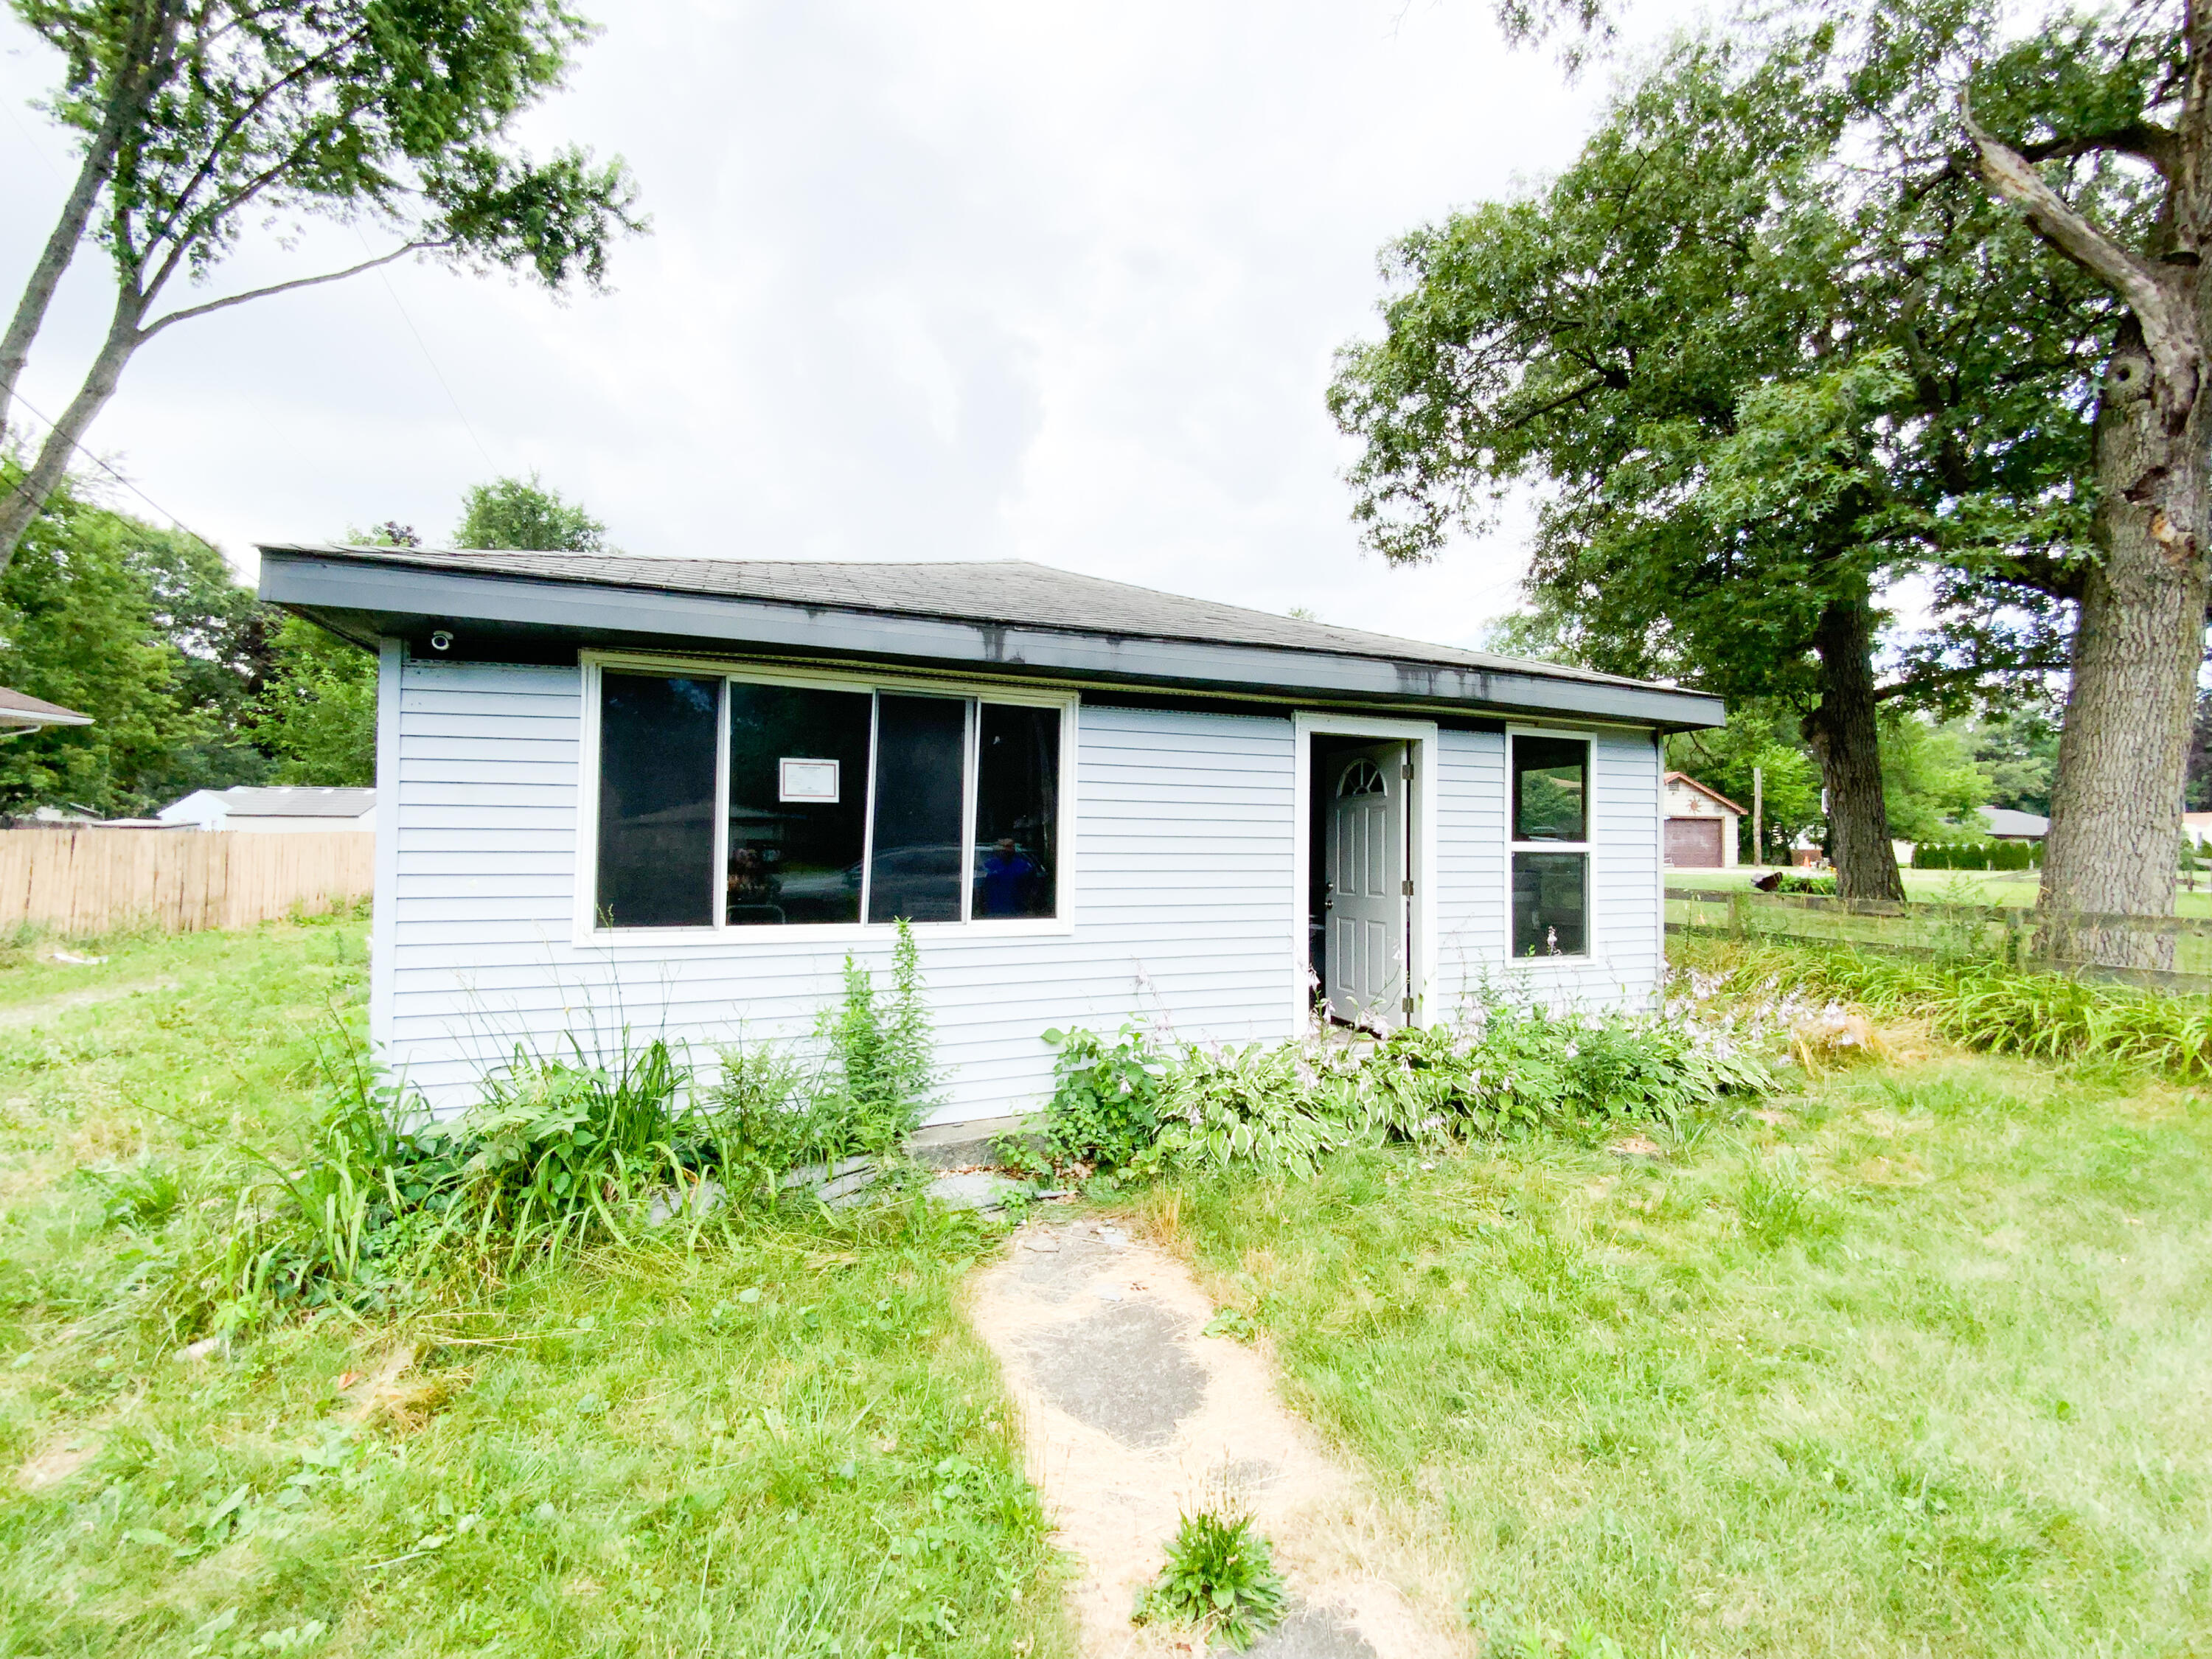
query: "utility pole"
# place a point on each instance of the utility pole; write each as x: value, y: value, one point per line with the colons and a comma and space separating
x: 1758, y: 811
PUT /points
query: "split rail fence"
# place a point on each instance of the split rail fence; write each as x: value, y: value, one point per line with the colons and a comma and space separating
x: 1927, y: 929
x: 84, y: 880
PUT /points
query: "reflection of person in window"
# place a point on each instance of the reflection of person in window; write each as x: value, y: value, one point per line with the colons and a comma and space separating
x: 1009, y: 876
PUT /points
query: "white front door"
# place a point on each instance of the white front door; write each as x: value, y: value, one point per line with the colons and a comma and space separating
x: 1367, y: 897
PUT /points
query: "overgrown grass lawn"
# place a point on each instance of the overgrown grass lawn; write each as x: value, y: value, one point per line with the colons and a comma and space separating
x: 1923, y: 1368
x: 765, y: 1439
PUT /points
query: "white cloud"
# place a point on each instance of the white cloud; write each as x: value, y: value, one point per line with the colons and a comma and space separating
x: 977, y: 279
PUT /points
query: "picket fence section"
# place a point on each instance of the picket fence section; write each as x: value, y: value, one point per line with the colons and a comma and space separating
x: 1935, y: 929
x: 84, y: 880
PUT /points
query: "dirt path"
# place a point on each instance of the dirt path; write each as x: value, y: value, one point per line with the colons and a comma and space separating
x: 1131, y: 1415
x: 33, y: 1013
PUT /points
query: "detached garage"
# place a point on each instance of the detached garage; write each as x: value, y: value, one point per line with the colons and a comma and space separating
x: 1701, y: 825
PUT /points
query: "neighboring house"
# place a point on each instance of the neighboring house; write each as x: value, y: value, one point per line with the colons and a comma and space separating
x: 2197, y: 826
x: 1701, y: 825
x: 20, y: 713
x: 671, y: 797
x: 2006, y: 824
x: 285, y: 811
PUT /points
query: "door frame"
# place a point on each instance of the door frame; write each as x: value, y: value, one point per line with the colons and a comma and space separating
x: 1420, y: 737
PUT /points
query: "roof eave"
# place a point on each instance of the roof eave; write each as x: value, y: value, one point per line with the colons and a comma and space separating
x: 364, y: 600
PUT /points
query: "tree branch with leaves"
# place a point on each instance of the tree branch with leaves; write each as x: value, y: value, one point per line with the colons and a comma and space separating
x: 202, y: 123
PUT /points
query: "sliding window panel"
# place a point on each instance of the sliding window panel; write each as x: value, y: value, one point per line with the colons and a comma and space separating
x: 917, y: 865
x: 1016, y: 812
x: 798, y: 804
x: 656, y: 854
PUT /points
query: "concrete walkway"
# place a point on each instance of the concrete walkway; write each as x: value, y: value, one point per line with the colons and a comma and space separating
x: 1132, y: 1416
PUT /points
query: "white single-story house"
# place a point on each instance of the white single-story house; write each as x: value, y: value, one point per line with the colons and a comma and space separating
x: 1701, y: 825
x: 670, y: 796
x: 275, y: 811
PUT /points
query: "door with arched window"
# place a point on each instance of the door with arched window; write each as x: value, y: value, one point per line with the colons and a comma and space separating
x: 1365, y: 900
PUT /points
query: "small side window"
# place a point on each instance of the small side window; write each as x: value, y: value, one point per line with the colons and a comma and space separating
x: 1551, y: 846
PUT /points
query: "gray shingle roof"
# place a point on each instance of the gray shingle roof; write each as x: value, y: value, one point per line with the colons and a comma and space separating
x: 36, y: 711
x: 1015, y: 592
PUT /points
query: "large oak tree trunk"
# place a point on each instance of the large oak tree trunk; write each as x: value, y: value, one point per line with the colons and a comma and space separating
x: 1848, y: 743
x: 2123, y: 753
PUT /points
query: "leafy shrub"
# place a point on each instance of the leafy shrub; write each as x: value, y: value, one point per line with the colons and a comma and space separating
x: 1105, y: 1098
x: 1977, y: 852
x: 1256, y: 1104
x: 1511, y: 1072
x: 1810, y: 886
x: 882, y: 1067
x: 1220, y: 1578
x: 876, y: 1078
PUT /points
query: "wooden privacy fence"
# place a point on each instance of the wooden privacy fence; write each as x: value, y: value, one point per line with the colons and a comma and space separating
x: 88, y: 880
x: 1932, y: 929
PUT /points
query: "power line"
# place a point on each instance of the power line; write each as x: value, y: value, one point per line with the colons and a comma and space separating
x: 424, y: 345
x: 120, y: 478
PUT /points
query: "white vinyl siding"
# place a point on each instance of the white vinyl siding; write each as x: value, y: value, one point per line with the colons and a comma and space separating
x: 1185, y: 906
x: 1181, y: 850
x: 1626, y: 966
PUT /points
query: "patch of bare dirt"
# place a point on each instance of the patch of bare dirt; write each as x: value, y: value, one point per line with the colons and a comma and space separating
x: 392, y: 1394
x: 35, y: 1013
x: 49, y: 1467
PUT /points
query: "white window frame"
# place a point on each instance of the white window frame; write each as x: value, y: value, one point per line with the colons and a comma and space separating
x: 1424, y: 750
x: 588, y: 934
x: 1587, y: 846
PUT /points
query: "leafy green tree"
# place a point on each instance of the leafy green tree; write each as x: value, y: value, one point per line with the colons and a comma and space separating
x: 1930, y: 781
x: 2019, y: 752
x: 199, y: 123
x: 522, y: 513
x: 318, y: 711
x: 81, y: 611
x: 2096, y: 129
x: 1759, y: 382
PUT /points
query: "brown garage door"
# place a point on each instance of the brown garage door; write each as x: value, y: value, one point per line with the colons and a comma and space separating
x: 1693, y: 843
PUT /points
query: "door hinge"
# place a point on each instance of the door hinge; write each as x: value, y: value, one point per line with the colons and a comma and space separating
x: 1406, y: 1005
x: 1405, y: 771
x: 1409, y: 887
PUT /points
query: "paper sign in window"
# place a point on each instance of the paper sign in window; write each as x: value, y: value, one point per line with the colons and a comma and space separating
x: 813, y: 781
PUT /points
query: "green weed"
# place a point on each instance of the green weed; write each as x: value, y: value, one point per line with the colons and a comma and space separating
x: 1220, y: 1579
x: 876, y: 1079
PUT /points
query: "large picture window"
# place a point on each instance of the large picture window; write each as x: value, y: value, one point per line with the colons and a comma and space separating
x: 840, y: 803
x: 1551, y: 846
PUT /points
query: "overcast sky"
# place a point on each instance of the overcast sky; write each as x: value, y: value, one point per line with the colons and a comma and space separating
x: 972, y: 280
